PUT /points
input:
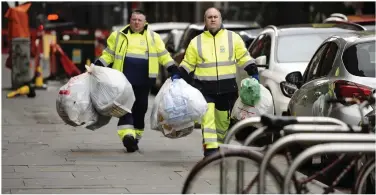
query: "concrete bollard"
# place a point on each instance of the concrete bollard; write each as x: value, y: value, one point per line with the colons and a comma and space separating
x: 20, y: 62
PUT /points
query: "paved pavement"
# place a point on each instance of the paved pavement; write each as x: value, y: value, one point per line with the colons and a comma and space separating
x: 40, y: 154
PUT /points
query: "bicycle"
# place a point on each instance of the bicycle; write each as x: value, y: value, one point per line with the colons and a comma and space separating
x: 272, y: 151
x: 252, y: 155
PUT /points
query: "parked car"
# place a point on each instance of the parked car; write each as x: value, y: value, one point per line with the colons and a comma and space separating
x: 284, y: 49
x: 343, y: 66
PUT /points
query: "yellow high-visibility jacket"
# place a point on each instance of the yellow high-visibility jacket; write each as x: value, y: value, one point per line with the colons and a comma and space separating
x: 116, y: 50
x: 213, y: 60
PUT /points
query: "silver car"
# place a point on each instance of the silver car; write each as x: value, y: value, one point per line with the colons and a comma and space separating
x: 343, y: 66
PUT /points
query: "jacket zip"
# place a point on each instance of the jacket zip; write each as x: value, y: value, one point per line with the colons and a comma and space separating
x: 216, y: 64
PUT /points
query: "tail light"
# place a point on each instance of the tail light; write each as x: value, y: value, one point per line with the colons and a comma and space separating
x: 346, y: 89
x: 64, y: 92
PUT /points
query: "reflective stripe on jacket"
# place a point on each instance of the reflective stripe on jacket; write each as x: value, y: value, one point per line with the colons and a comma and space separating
x: 213, y: 60
x: 116, y: 51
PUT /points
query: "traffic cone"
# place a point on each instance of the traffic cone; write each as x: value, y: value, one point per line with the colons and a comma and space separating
x: 39, y: 84
x: 24, y: 90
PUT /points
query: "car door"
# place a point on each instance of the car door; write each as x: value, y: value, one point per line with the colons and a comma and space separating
x: 320, y: 87
x: 261, y: 46
x: 305, y: 94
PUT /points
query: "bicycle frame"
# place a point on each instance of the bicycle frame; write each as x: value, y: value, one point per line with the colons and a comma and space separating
x: 321, y: 149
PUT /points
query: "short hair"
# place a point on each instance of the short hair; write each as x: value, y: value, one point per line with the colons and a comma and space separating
x: 138, y: 11
x: 220, y: 14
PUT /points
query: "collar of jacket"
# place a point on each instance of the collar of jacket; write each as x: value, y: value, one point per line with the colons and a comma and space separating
x: 127, y: 29
x: 209, y: 33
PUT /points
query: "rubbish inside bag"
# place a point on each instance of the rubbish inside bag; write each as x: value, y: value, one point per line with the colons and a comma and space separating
x: 176, y: 107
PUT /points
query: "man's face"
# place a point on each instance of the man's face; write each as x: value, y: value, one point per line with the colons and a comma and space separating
x: 137, y: 22
x: 213, y: 20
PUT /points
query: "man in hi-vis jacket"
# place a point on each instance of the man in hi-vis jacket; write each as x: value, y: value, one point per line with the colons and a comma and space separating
x: 136, y: 51
x: 213, y: 56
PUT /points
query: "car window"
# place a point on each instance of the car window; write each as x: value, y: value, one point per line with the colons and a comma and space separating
x: 359, y: 59
x: 302, y: 52
x: 328, y: 59
x: 261, y: 47
x: 312, y: 69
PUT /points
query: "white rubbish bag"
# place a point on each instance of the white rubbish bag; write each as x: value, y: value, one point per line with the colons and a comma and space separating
x: 242, y: 111
x: 74, y: 106
x: 110, y: 91
x: 176, y: 107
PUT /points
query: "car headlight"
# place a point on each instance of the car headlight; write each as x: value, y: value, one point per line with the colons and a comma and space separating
x: 288, y: 89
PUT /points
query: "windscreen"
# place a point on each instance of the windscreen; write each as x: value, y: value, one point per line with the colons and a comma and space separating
x: 299, y: 48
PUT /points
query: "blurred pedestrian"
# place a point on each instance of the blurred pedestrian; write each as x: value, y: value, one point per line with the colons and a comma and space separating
x: 213, y: 56
x: 136, y: 51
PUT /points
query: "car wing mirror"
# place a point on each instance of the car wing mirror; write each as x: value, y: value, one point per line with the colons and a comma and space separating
x: 295, y: 78
x: 261, y: 61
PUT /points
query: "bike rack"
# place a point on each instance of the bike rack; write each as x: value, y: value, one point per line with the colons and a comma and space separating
x: 299, y: 128
x: 307, y: 138
x: 325, y: 148
x: 302, y: 128
x: 250, y: 121
x: 304, y: 119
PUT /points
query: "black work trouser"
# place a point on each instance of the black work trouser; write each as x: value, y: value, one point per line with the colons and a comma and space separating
x: 134, y: 123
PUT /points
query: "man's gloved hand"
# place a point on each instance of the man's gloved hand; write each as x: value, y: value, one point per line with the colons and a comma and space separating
x: 175, y: 76
x: 256, y: 76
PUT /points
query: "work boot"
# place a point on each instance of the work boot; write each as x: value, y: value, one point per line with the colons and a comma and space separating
x: 211, y: 151
x: 130, y: 143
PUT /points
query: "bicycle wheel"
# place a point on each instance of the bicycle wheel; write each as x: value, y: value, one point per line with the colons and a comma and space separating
x: 239, y: 154
x: 365, y: 181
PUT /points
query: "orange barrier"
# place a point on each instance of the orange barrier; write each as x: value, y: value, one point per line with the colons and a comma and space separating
x: 69, y: 67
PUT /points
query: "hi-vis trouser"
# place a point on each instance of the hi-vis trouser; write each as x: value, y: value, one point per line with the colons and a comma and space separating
x: 216, y: 120
x: 133, y: 123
